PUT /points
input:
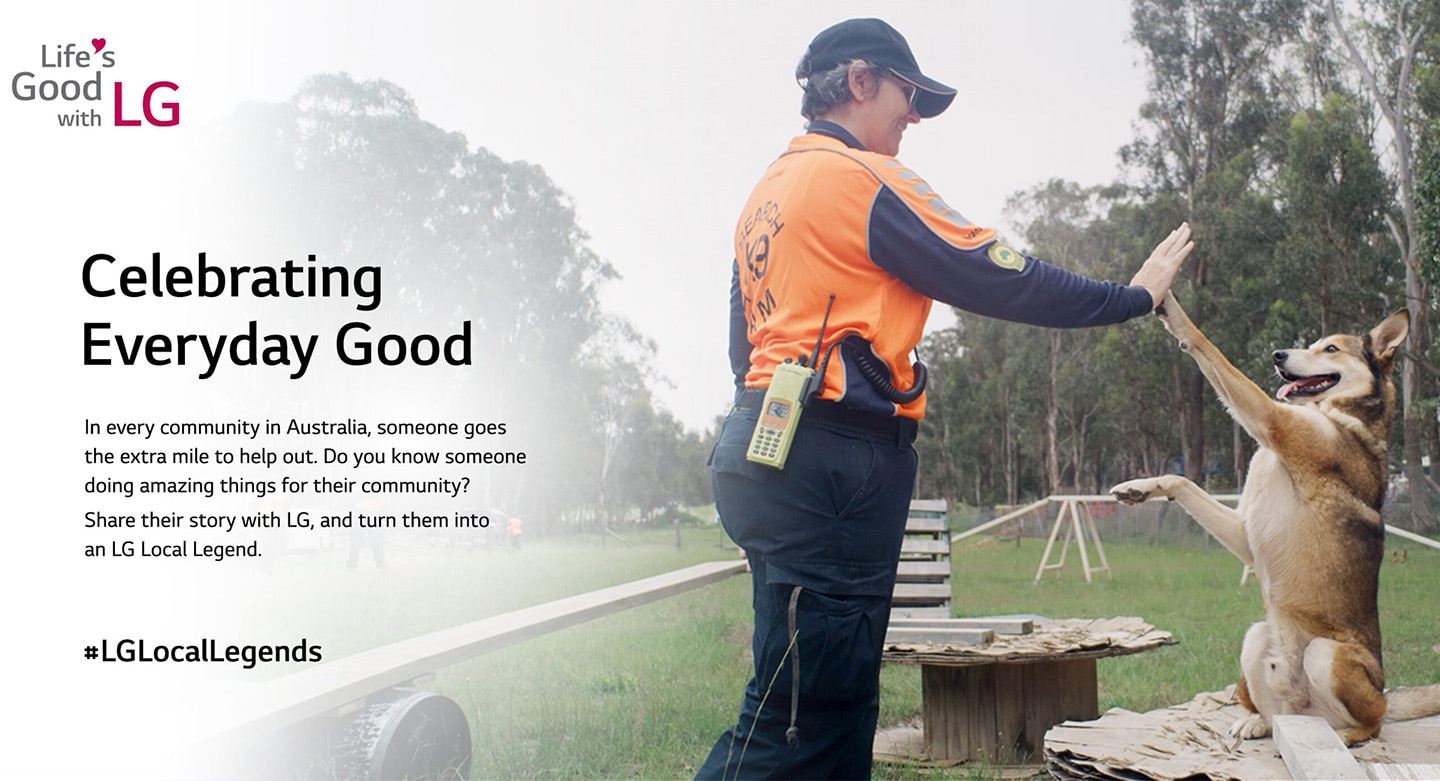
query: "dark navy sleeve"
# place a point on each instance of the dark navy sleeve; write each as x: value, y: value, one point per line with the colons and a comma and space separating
x: 1037, y: 294
x: 739, y: 335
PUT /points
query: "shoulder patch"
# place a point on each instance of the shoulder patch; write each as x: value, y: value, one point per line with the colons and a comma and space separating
x: 1004, y: 257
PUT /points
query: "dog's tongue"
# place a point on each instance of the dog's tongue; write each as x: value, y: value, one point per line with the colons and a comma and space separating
x: 1289, y: 387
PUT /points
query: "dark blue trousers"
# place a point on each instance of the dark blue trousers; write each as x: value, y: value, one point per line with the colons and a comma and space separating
x: 829, y: 524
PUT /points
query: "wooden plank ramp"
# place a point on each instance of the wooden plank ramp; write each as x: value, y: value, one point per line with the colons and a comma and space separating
x: 1386, y: 772
x: 953, y: 631
x: 1312, y: 750
x: 940, y: 635
x: 331, y: 686
x: 1003, y: 625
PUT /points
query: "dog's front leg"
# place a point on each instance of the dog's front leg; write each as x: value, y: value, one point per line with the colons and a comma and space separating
x: 1251, y: 406
x: 1224, y: 523
x: 1265, y: 678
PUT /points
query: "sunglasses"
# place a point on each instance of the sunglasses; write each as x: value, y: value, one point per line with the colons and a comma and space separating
x: 911, y: 91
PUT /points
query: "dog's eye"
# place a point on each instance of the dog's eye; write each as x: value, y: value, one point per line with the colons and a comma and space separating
x: 1330, y: 348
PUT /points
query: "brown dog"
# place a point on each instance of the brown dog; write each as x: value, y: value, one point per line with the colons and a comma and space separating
x: 1309, y: 524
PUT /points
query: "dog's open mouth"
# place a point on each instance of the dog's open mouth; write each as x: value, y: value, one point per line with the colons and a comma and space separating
x: 1304, y: 386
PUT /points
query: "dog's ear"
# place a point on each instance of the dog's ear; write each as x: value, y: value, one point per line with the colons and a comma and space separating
x: 1386, y: 337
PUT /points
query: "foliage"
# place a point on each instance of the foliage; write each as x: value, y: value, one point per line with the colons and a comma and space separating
x: 1336, y: 256
x: 1250, y: 134
x: 1210, y: 64
x: 1427, y: 201
x: 462, y: 234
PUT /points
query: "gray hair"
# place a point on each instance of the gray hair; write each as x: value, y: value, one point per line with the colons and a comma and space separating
x: 827, y: 90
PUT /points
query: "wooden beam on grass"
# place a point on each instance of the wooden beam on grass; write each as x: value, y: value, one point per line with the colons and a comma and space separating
x: 1413, y: 537
x: 1010, y: 516
x: 332, y: 686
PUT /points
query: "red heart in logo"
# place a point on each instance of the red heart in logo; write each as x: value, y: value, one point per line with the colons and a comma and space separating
x: 98, y: 43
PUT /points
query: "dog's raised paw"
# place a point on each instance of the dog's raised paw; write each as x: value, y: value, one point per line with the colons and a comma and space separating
x: 1130, y: 496
x: 1250, y: 726
x: 1133, y: 491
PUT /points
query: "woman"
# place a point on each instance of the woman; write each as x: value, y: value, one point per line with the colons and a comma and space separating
x: 840, y: 253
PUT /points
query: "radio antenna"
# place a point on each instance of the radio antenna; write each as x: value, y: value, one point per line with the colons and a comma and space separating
x: 815, y: 355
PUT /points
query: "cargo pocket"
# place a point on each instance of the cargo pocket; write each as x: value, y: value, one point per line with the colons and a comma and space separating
x: 840, y: 639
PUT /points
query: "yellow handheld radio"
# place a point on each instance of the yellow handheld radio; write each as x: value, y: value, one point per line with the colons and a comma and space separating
x: 779, y: 414
x: 791, y: 386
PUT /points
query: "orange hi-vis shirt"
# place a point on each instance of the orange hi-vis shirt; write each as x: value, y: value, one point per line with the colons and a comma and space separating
x: 829, y: 218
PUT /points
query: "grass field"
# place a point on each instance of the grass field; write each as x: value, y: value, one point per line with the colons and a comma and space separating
x: 645, y: 692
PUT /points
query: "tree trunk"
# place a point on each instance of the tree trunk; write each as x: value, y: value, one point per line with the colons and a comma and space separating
x: 1422, y: 517
x: 1195, y: 428
x: 1052, y: 418
x: 1190, y: 386
x: 1012, y: 490
x: 1240, y: 460
x: 1430, y: 431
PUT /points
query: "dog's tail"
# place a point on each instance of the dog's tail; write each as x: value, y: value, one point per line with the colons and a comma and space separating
x: 1412, y: 702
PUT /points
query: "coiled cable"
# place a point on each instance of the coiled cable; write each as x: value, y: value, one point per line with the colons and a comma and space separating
x: 876, y: 377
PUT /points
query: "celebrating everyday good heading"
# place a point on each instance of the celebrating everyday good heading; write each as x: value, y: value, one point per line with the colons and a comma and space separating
x: 104, y: 276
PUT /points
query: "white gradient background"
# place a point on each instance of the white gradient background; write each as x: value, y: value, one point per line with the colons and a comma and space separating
x: 656, y: 118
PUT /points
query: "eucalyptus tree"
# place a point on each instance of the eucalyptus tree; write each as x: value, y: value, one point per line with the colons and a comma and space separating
x: 350, y: 170
x: 981, y: 429
x: 1058, y: 220
x: 1212, y: 99
x: 1336, y: 262
x: 1384, y: 41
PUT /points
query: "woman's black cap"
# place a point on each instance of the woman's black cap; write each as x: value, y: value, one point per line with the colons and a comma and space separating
x: 875, y: 42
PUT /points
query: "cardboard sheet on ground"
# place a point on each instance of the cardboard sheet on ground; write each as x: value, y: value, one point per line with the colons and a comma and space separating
x: 1192, y: 740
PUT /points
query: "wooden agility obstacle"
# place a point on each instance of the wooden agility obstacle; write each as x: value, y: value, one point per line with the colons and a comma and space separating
x: 367, y: 682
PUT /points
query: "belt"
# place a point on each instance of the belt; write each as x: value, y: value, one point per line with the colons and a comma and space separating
x: 837, y: 415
